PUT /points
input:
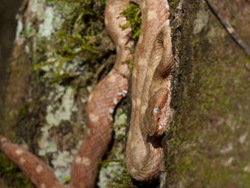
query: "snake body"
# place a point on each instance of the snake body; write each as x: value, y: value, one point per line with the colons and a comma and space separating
x: 150, y: 103
x: 150, y: 91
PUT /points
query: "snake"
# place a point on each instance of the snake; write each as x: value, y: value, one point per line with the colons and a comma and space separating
x: 150, y: 99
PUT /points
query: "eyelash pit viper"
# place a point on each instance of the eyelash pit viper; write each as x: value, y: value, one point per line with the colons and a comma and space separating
x: 150, y: 95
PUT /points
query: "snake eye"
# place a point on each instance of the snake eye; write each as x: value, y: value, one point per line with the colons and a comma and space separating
x: 157, y: 111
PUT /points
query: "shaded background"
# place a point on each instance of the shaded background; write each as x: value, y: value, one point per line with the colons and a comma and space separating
x: 8, y: 11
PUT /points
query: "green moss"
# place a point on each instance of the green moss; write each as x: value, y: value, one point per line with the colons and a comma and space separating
x: 173, y: 7
x: 77, y: 41
x: 10, y: 172
x: 80, y: 35
x: 204, y: 147
x: 133, y: 15
x: 23, y: 111
x: 122, y: 180
x: 117, y: 178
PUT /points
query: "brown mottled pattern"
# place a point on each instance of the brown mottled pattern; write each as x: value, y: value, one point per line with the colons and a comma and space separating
x: 150, y: 103
x: 151, y: 76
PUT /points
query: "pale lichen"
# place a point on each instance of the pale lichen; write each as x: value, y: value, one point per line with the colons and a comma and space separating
x: 46, y: 29
x: 114, y: 168
x: 62, y: 165
x: 37, y: 7
x: 56, y: 114
x: 46, y: 144
x: 19, y: 28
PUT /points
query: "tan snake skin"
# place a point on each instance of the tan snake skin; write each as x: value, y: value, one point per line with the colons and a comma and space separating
x: 150, y: 92
x: 150, y: 103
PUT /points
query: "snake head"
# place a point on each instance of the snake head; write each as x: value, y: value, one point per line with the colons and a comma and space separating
x: 157, y: 113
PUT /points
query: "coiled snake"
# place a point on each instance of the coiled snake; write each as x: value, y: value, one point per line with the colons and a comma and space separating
x: 150, y: 94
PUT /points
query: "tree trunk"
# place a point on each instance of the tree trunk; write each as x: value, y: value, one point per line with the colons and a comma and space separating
x: 8, y: 10
x: 208, y: 144
x: 62, y: 50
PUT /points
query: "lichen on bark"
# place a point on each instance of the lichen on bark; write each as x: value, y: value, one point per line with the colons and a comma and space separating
x: 54, y: 69
x: 64, y: 51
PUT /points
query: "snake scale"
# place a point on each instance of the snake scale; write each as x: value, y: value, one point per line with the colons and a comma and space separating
x: 150, y: 94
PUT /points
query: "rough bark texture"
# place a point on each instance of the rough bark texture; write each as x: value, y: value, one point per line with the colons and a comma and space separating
x: 208, y: 145
x: 62, y: 50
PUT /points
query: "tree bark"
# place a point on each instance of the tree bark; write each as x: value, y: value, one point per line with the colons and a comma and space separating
x: 208, y: 143
x: 62, y: 50
x: 8, y: 12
